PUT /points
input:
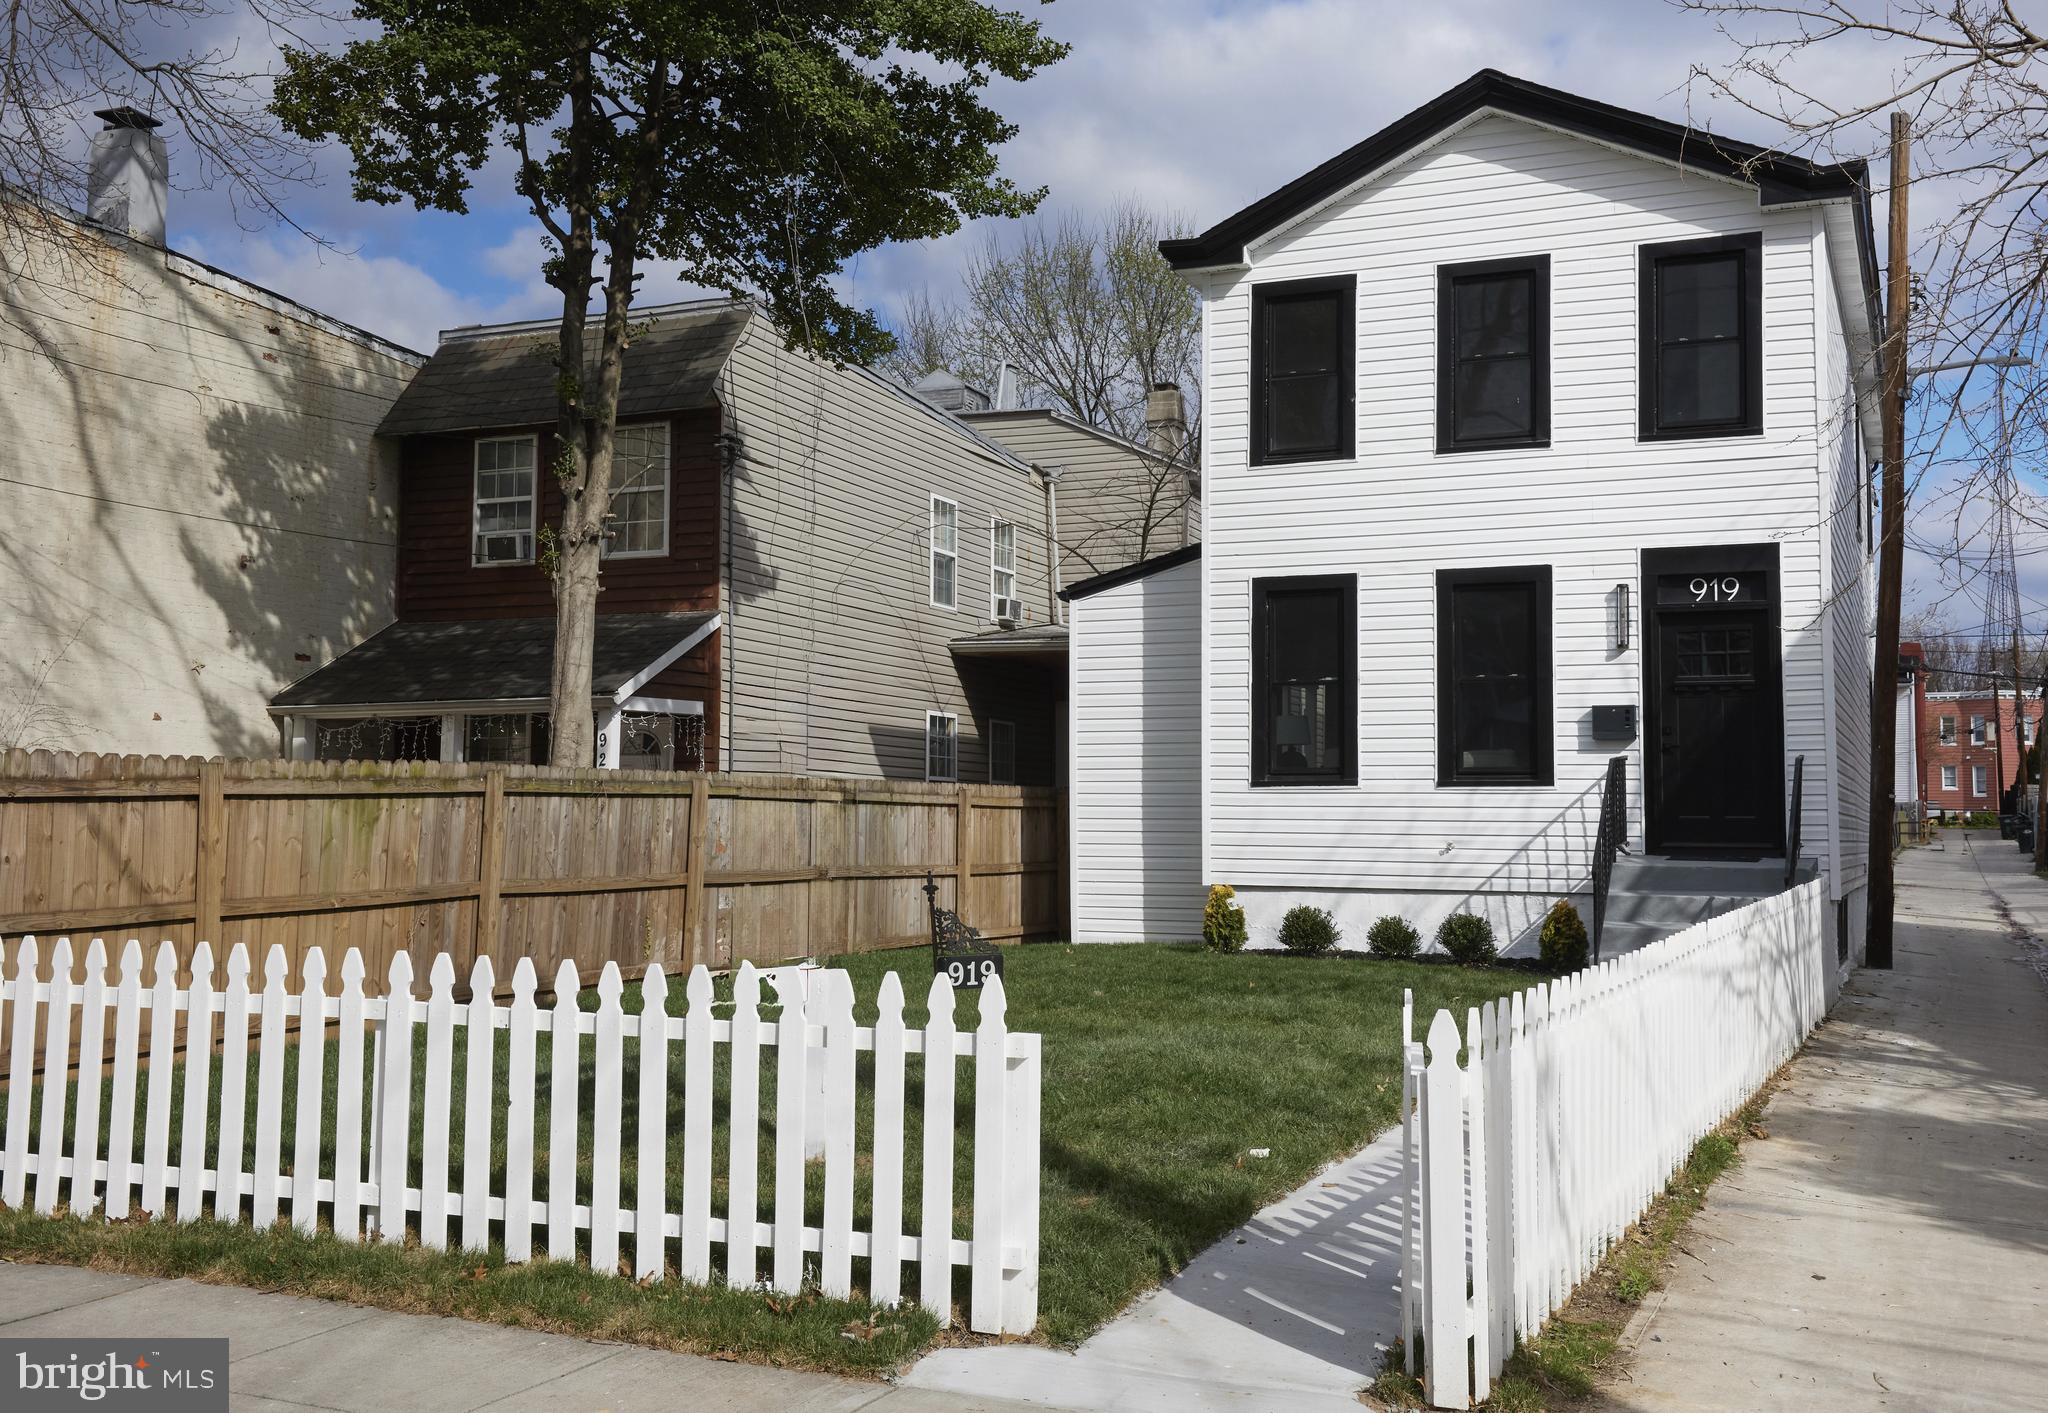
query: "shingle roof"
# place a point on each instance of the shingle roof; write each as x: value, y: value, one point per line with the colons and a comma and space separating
x: 482, y: 660
x: 500, y: 379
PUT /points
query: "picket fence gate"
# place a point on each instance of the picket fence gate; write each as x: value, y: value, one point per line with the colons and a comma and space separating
x: 366, y: 1191
x: 1576, y: 1102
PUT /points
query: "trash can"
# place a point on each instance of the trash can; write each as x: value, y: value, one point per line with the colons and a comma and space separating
x: 2008, y: 826
x: 2025, y: 834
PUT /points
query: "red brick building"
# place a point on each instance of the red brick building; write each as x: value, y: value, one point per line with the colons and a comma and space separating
x: 1959, y: 757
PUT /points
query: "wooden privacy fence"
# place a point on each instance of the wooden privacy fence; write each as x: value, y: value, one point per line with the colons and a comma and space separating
x: 513, y: 861
x: 376, y: 1180
x: 1576, y: 1101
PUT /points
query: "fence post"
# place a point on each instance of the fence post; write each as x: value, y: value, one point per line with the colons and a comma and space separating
x: 209, y: 852
x: 963, y: 849
x: 490, y: 869
x: 1443, y: 1218
x: 1411, y: 1272
x: 1020, y: 1194
x: 695, y: 948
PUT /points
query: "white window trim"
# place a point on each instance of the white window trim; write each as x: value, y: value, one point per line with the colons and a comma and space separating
x: 954, y: 720
x: 1011, y: 727
x: 1948, y: 777
x: 995, y: 598
x: 668, y: 460
x: 932, y: 552
x: 1980, y: 781
x: 1945, y: 730
x: 476, y: 505
x: 1976, y: 730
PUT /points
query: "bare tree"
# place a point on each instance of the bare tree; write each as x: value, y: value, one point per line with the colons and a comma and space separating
x: 1092, y: 319
x: 62, y: 59
x: 1972, y: 75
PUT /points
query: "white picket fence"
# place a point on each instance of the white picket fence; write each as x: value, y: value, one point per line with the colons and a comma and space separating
x: 1576, y: 1102
x: 367, y: 1188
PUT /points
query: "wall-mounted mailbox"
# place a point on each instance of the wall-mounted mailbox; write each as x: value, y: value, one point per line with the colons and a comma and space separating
x: 1614, y: 723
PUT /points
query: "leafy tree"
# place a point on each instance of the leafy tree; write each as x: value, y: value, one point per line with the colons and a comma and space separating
x: 757, y: 147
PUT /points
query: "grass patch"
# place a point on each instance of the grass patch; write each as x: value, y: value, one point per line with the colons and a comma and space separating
x: 802, y: 1331
x: 1163, y: 1067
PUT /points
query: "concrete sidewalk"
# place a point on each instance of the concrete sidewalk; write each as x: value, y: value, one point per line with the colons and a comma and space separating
x: 1887, y: 1245
x: 289, y: 1354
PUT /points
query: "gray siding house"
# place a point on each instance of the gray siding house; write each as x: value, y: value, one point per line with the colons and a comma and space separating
x: 813, y: 571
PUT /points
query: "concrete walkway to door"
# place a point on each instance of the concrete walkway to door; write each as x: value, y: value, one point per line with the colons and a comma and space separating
x: 1887, y: 1245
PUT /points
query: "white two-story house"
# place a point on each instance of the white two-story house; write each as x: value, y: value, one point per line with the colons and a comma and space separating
x: 1538, y: 433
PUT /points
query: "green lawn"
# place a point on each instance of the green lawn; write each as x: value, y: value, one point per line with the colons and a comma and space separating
x: 1162, y: 1067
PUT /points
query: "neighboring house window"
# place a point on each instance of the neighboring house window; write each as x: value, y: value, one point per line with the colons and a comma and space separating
x: 377, y: 738
x: 504, y: 501
x: 1980, y: 780
x: 1493, y: 354
x: 1302, y: 352
x: 941, y: 746
x: 2026, y: 730
x: 512, y: 738
x: 1305, y: 680
x: 1948, y: 777
x: 1493, y: 676
x: 1948, y: 730
x: 639, y: 516
x: 1976, y: 730
x: 1002, y: 574
x: 1702, y: 338
x: 1002, y: 752
x: 945, y: 540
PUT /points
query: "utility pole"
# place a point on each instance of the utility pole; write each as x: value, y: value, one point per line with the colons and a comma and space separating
x: 1891, y: 542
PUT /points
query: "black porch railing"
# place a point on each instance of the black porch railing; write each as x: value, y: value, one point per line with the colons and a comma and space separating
x: 1607, y: 840
x: 1792, y: 820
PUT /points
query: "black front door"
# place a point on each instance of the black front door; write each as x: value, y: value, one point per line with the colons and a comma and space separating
x: 1716, y: 732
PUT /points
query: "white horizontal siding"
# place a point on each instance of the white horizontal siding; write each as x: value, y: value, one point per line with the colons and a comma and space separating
x: 1135, y: 678
x: 1587, y: 506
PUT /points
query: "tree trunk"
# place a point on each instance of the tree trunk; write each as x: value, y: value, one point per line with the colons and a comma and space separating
x: 576, y: 564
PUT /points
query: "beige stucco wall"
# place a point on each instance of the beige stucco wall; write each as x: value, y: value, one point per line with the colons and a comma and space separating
x: 197, y: 511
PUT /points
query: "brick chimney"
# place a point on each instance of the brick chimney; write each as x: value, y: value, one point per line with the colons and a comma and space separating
x: 1166, y: 421
x: 128, y: 185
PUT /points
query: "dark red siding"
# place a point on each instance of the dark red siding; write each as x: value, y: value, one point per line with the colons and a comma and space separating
x: 437, y: 581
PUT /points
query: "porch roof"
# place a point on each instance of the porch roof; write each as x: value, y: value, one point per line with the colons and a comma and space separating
x: 491, y: 659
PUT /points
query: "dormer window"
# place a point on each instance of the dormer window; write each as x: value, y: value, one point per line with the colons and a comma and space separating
x: 1302, y: 356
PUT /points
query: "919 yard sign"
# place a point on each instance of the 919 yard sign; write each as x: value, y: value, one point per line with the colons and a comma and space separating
x: 971, y: 969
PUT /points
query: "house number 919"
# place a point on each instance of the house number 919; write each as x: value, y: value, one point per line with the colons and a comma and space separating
x: 976, y: 972
x: 1726, y: 590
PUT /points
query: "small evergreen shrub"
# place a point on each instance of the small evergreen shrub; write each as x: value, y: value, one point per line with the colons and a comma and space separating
x: 1223, y: 920
x: 1393, y: 937
x: 1467, y: 939
x: 1308, y: 932
x: 1562, y: 940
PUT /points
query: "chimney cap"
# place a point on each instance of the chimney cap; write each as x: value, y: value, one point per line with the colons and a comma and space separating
x: 127, y: 117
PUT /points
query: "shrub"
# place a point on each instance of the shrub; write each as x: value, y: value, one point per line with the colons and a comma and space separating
x: 1308, y: 932
x: 1562, y: 940
x: 1223, y: 920
x: 1391, y: 937
x: 1467, y: 938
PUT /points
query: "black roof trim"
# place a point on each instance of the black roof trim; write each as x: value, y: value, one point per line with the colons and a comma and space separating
x: 1780, y: 179
x: 1144, y: 568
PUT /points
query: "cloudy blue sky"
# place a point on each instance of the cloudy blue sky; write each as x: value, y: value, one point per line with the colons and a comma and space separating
x: 1198, y: 106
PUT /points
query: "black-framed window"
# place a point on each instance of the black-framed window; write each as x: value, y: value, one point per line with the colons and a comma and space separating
x: 1702, y: 360
x: 1493, y: 707
x: 1493, y: 354
x: 1305, y: 680
x: 1302, y: 359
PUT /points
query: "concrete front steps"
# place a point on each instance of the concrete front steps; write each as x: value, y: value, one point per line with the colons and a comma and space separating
x: 1651, y: 896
